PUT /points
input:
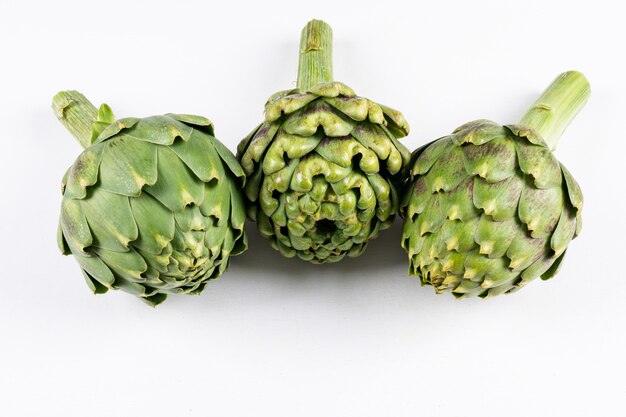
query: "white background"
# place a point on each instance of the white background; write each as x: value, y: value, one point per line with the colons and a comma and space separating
x: 279, y: 337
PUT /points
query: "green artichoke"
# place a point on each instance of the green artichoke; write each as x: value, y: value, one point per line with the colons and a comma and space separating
x: 152, y: 206
x: 489, y: 208
x: 323, y: 168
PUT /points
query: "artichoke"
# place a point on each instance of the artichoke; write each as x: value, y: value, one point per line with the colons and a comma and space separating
x: 323, y: 168
x: 152, y: 206
x: 489, y: 208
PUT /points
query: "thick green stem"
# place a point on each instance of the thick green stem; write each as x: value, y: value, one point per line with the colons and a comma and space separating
x: 76, y: 113
x: 316, y: 55
x: 557, y: 106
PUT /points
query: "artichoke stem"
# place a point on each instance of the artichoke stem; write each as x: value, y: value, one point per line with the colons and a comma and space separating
x: 316, y: 55
x: 557, y: 106
x: 76, y: 113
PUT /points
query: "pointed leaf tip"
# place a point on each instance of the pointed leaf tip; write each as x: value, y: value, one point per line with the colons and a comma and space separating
x: 105, y: 114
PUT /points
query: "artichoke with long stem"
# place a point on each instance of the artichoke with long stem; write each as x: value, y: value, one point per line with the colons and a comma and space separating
x: 152, y: 206
x: 489, y: 208
x: 323, y: 168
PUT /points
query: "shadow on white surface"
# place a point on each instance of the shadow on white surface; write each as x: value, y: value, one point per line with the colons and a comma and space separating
x: 372, y: 284
x: 381, y: 254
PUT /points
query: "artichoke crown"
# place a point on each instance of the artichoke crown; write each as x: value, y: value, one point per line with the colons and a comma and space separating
x: 153, y: 206
x: 322, y: 171
x: 488, y: 209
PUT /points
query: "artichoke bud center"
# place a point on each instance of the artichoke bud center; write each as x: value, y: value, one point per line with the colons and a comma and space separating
x: 325, y: 226
x: 192, y: 261
x: 450, y: 280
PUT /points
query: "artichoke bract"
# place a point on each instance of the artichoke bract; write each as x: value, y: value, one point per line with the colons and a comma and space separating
x: 152, y: 206
x: 489, y: 208
x: 323, y: 168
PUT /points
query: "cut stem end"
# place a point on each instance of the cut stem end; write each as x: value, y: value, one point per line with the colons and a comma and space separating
x: 76, y: 113
x: 316, y: 55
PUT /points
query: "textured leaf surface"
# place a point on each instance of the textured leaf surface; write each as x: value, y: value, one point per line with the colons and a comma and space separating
x: 154, y: 208
x: 319, y: 171
x: 487, y: 210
